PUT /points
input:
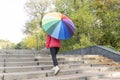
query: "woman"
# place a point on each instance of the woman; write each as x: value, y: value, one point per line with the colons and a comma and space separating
x: 53, y: 44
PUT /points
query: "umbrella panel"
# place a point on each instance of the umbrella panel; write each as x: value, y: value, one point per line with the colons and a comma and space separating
x: 49, y: 25
x: 61, y: 31
x: 51, y: 29
x: 56, y: 32
x: 70, y: 26
x: 45, y: 21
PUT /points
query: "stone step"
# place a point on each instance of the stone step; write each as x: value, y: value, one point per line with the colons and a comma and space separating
x: 45, y: 58
x: 12, y: 51
x: 27, y: 59
x: 46, y: 73
x: 26, y: 75
x: 37, y: 63
x: 78, y: 76
x: 2, y: 55
x: 32, y: 63
x: 17, y: 53
x: 17, y: 56
x: 37, y: 66
x: 86, y: 57
x: 78, y: 58
x: 49, y: 67
x: 109, y: 79
x: 95, y: 62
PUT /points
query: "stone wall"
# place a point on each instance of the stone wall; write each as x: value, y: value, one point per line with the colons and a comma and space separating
x: 99, y: 50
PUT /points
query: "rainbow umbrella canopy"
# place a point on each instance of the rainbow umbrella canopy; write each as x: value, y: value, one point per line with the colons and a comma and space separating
x: 58, y: 25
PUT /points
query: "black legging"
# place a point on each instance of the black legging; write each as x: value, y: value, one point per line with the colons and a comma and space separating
x: 54, y: 51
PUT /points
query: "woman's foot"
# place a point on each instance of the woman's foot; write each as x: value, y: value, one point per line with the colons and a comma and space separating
x: 56, y: 70
x: 53, y: 69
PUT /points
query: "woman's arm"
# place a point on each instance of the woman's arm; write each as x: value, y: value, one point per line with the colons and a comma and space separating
x: 47, y: 40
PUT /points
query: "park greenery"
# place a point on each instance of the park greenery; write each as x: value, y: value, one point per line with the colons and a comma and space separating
x: 5, y: 44
x: 97, y: 23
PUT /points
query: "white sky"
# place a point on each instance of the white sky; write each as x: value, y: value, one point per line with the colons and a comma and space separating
x: 12, y: 19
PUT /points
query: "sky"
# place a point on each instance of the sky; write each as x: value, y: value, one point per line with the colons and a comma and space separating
x: 12, y: 20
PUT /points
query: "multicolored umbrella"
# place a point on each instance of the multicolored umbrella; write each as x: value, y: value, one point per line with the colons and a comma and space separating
x: 58, y: 25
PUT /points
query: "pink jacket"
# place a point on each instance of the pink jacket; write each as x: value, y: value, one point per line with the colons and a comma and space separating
x: 52, y: 42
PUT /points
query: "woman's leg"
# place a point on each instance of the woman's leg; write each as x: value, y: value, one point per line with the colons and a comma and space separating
x: 54, y: 52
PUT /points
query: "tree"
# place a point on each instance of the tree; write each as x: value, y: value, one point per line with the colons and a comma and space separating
x: 109, y: 13
x: 96, y: 21
x: 21, y: 45
x: 36, y: 40
x: 33, y: 28
x: 37, y: 8
x: 5, y: 44
x: 81, y: 14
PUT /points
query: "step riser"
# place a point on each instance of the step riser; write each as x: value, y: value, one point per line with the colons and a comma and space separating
x: 28, y: 59
x: 10, y: 55
x: 40, y: 68
x: 35, y: 63
x: 85, y: 76
x: 34, y: 75
x: 21, y: 77
x: 16, y: 57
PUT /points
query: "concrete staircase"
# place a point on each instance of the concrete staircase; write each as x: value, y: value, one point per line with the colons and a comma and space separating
x: 34, y: 66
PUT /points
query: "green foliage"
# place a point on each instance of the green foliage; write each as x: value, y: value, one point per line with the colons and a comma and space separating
x: 83, y: 42
x: 5, y: 44
x: 36, y: 40
x: 96, y: 21
x: 21, y: 45
x: 109, y: 13
x: 81, y: 15
x: 33, y: 28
